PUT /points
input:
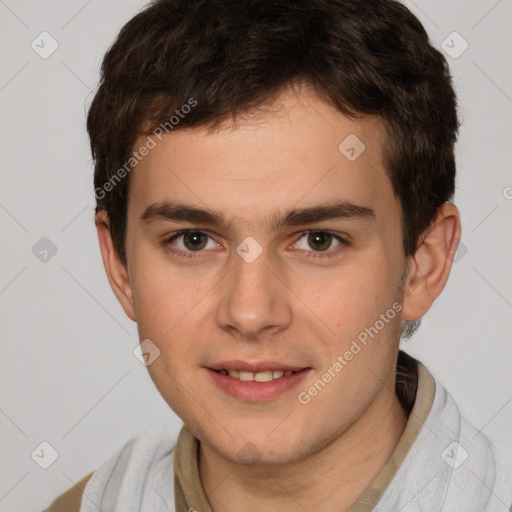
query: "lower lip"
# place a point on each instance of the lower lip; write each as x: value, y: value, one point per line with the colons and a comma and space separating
x: 257, y: 391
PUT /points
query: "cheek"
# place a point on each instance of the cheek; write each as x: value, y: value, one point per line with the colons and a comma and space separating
x: 352, y: 298
x: 164, y: 297
x: 171, y: 313
x: 167, y: 313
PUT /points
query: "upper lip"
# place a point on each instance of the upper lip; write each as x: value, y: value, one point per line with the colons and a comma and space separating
x: 256, y: 366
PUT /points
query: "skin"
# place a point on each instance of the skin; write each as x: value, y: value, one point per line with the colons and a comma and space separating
x: 283, y: 306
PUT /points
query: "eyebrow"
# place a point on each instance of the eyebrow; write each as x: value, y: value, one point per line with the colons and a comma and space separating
x: 181, y: 212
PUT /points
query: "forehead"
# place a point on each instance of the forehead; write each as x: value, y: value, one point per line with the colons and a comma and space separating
x: 297, y: 151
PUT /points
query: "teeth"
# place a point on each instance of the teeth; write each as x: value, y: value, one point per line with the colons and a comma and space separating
x: 245, y: 376
x: 264, y: 376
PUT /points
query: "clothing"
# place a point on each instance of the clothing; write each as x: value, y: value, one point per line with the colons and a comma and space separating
x: 441, y: 463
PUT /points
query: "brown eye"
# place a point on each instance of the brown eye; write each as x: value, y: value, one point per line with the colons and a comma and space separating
x: 195, y: 240
x: 189, y: 243
x: 320, y: 240
x: 319, y: 244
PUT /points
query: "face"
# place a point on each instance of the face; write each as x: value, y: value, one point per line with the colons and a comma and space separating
x: 283, y: 283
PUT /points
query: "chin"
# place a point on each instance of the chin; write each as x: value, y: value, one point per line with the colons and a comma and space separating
x: 260, y: 448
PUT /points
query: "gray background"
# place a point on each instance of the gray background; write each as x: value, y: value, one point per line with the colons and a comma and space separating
x: 68, y: 373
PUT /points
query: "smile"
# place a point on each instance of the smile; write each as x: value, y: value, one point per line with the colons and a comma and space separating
x: 263, y: 376
x: 256, y: 386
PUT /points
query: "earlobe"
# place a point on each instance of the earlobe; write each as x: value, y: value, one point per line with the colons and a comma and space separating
x: 430, y: 266
x: 116, y: 272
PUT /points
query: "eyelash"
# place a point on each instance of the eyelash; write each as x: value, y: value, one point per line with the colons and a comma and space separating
x: 311, y: 254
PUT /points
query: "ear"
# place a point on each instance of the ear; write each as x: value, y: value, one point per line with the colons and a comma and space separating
x: 117, y: 273
x: 430, y: 265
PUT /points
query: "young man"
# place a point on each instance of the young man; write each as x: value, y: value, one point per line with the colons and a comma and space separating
x: 273, y: 184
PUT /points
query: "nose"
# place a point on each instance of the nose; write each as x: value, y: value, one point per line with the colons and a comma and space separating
x: 255, y: 297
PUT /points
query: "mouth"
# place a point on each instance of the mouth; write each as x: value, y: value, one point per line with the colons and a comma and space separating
x: 262, y: 376
x: 257, y: 384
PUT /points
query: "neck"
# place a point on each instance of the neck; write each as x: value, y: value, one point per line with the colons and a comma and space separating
x: 331, y: 479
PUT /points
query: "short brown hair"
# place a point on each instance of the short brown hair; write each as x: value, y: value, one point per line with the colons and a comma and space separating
x: 364, y: 57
